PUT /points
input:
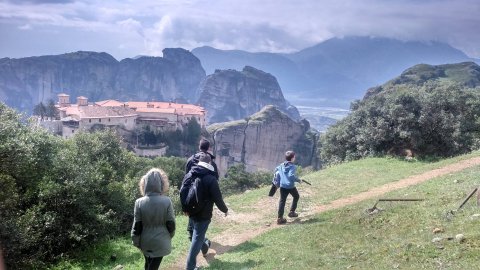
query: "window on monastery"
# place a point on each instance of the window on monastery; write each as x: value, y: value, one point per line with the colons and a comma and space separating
x: 100, y: 120
x: 108, y: 119
x: 73, y: 130
x: 89, y: 120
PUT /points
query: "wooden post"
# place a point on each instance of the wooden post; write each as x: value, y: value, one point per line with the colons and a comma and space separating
x: 478, y: 196
x: 468, y: 197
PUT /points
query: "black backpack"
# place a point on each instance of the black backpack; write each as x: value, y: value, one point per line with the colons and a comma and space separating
x: 191, y: 195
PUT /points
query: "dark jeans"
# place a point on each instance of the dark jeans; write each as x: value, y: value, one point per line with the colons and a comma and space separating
x: 152, y: 263
x: 198, y: 238
x: 190, y: 233
x: 283, y: 198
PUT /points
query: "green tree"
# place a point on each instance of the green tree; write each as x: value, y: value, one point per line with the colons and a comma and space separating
x: 192, y: 132
x: 51, y: 110
x: 237, y: 179
x: 26, y: 155
x: 40, y: 110
x: 436, y: 119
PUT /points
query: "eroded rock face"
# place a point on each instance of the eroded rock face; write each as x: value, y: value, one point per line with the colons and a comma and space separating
x: 25, y: 82
x: 261, y: 140
x: 229, y: 95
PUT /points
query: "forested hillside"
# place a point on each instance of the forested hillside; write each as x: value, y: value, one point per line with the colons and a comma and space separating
x: 427, y: 111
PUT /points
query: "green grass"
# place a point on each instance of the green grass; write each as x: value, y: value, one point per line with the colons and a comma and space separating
x: 398, y: 237
x: 358, y: 176
x: 98, y: 256
x: 337, y: 239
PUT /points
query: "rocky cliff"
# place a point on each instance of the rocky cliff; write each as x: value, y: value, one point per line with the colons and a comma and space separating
x: 261, y: 140
x: 229, y: 95
x: 336, y: 71
x: 25, y: 82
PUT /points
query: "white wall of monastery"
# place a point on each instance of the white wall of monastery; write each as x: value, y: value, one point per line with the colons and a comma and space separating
x: 170, y: 117
x: 127, y: 122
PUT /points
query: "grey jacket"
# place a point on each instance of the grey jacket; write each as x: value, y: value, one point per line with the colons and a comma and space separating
x: 151, y: 214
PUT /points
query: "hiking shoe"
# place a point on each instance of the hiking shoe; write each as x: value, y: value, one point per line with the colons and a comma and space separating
x: 205, y: 246
x: 292, y: 214
x: 281, y: 221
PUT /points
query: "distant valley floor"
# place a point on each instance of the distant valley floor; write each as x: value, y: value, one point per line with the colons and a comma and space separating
x: 322, y: 117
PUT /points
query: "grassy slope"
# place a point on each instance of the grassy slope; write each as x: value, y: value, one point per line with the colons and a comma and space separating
x: 398, y: 237
x: 263, y: 252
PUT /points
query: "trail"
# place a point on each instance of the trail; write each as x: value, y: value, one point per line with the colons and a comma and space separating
x: 262, y: 219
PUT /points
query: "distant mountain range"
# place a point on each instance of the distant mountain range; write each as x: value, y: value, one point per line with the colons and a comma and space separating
x: 332, y: 74
x: 176, y: 77
x: 337, y: 71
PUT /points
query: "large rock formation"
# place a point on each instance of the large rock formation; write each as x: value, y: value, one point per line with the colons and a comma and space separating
x: 336, y: 71
x: 27, y: 81
x: 260, y: 141
x: 231, y: 95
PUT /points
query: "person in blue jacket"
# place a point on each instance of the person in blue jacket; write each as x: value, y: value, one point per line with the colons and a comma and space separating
x: 287, y: 171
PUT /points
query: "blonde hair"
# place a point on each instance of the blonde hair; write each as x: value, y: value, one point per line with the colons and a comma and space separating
x: 158, y: 175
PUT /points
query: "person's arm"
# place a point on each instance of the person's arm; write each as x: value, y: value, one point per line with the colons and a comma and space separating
x: 137, y: 226
x: 292, y: 174
x: 170, y: 220
x: 217, y: 196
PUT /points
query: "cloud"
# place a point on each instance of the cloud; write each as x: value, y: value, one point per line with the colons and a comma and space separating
x: 268, y: 25
x: 132, y: 25
x: 40, y: 1
x: 25, y: 27
x: 191, y: 33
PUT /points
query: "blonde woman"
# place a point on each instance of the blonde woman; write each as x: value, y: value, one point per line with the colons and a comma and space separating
x: 154, y: 219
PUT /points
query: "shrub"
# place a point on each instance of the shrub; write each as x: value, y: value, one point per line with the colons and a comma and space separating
x: 432, y: 120
x: 238, y: 180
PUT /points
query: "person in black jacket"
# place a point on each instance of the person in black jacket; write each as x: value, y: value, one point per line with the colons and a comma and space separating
x: 210, y: 192
x: 204, y: 147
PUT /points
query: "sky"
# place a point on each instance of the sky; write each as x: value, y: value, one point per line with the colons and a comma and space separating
x: 128, y: 28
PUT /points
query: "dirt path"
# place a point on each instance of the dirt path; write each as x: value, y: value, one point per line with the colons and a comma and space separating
x: 242, y: 229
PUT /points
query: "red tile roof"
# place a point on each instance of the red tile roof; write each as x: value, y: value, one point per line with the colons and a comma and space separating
x: 113, y: 108
x: 98, y: 112
x: 156, y: 110
x: 110, y: 103
x: 180, y: 109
